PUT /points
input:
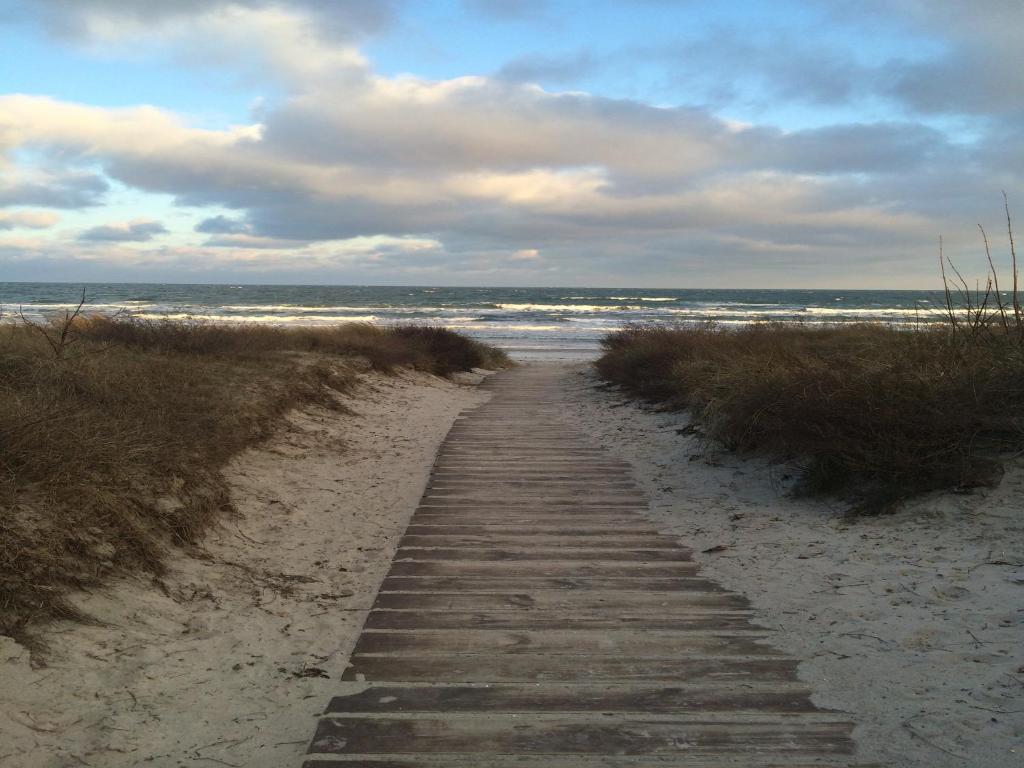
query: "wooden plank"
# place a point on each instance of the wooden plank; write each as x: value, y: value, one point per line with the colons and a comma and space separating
x: 531, y: 502
x: 496, y: 487
x: 544, y: 470
x: 536, y: 500
x: 570, y: 510
x: 525, y: 554
x: 531, y: 583
x: 548, y: 528
x: 571, y: 761
x: 467, y: 476
x: 528, y: 667
x: 484, y: 464
x: 553, y: 477
x: 594, y: 541
x: 635, y: 643
x: 522, y: 518
x: 557, y: 698
x: 519, y: 500
x: 561, y: 601
x: 717, y: 622
x: 535, y: 453
x: 518, y: 736
x: 551, y: 568
x: 549, y: 513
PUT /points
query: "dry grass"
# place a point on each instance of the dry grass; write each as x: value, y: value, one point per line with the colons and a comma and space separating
x: 113, y: 444
x: 870, y: 412
x: 427, y: 348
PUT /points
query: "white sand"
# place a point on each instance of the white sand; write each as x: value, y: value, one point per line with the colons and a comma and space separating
x: 913, y: 623
x: 232, y: 661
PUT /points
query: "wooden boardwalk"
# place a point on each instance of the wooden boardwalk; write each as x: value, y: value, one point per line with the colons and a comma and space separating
x: 533, y: 616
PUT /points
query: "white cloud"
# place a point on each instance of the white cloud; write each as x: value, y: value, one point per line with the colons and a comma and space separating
x: 526, y: 254
x: 139, y: 231
x: 354, y: 167
x: 69, y: 189
x: 28, y: 219
x: 242, y: 240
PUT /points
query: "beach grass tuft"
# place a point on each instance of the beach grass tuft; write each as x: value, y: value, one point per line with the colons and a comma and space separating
x: 112, y: 440
x: 872, y: 412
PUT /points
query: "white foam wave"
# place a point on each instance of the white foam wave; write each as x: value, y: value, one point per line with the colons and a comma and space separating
x: 642, y: 298
x: 566, y: 307
x: 261, y: 319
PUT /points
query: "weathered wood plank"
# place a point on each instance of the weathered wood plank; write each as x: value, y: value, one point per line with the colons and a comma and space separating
x: 529, y: 667
x: 557, y: 698
x: 717, y: 622
x: 574, y: 569
x: 521, y: 518
x: 576, y: 761
x: 559, y: 600
x: 518, y: 736
x: 594, y: 540
x: 531, y: 583
x: 527, y: 554
x: 635, y: 643
x: 472, y: 515
x: 547, y: 528
x: 519, y: 501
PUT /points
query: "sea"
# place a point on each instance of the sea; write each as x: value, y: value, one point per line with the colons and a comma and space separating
x: 529, y: 323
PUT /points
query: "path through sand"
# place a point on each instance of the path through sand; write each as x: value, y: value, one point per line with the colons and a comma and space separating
x: 534, y: 616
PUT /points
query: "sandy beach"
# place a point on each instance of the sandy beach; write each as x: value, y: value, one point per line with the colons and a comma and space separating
x: 910, y: 623
x: 511, y: 384
x: 227, y: 659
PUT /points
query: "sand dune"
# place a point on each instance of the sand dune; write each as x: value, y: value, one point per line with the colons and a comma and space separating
x: 227, y: 660
x: 910, y: 623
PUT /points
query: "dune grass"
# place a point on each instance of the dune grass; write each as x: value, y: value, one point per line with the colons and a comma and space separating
x: 872, y: 412
x: 114, y: 432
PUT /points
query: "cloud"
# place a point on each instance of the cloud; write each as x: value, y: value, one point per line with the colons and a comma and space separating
x: 51, y: 190
x: 526, y: 254
x: 222, y: 225
x: 409, y: 126
x: 93, y: 19
x: 543, y: 68
x: 27, y: 219
x: 480, y: 164
x: 508, y: 10
x: 286, y: 42
x: 452, y: 176
x: 881, y: 148
x: 352, y: 260
x: 252, y: 241
x: 977, y: 60
x: 134, y: 232
x: 961, y: 58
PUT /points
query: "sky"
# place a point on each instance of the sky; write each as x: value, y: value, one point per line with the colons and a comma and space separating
x: 632, y: 143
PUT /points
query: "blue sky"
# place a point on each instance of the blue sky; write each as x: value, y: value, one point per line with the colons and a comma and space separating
x: 530, y: 142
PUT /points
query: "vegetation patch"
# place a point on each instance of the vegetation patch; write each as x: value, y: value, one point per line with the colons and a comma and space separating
x: 874, y: 412
x: 114, y: 433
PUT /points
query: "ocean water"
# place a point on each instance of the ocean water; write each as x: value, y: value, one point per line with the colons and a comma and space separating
x: 530, y: 323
